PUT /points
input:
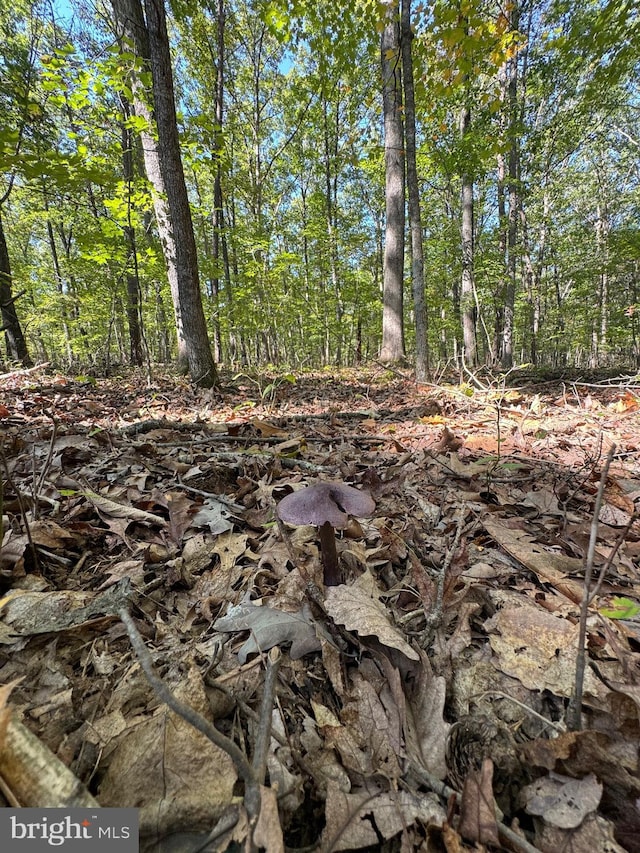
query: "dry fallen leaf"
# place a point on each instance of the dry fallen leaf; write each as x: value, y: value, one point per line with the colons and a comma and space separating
x: 594, y: 834
x: 478, y: 807
x: 112, y: 509
x: 268, y: 832
x: 358, y: 610
x: 270, y: 627
x: 550, y: 566
x: 539, y: 649
x: 427, y: 730
x: 170, y: 771
x: 562, y: 801
x: 360, y: 819
x: 215, y: 514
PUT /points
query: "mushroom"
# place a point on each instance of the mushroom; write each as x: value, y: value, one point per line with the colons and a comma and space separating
x: 327, y: 505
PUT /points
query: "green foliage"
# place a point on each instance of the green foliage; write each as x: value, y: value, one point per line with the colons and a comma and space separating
x: 293, y: 274
x: 621, y: 608
x: 268, y: 388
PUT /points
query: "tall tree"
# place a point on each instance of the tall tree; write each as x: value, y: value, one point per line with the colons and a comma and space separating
x: 134, y: 314
x: 393, y: 348
x: 147, y: 32
x: 17, y: 61
x: 220, y: 250
x: 467, y: 237
x: 413, y: 192
x: 513, y: 192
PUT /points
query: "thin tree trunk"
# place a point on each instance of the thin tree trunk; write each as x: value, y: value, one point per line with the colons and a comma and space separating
x: 329, y: 220
x: 513, y: 190
x: 72, y: 291
x: 134, y: 316
x: 331, y: 191
x: 413, y: 191
x: 530, y: 288
x: 512, y: 237
x: 602, y: 236
x: 218, y: 201
x: 467, y: 284
x: 57, y: 271
x: 393, y: 349
x: 502, y: 248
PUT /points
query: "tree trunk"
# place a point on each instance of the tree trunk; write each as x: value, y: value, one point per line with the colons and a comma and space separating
x: 512, y: 237
x: 219, y: 244
x: 330, y: 135
x: 413, y: 192
x: 14, y: 339
x: 392, y: 295
x: 602, y: 253
x: 500, y: 291
x: 134, y: 316
x: 513, y: 190
x: 164, y: 169
x: 60, y: 286
x: 467, y: 284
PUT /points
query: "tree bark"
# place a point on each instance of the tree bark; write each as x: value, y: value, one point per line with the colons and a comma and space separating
x: 413, y: 192
x: 163, y: 163
x: 502, y: 248
x: 514, y: 202
x: 467, y: 284
x: 603, y: 227
x: 134, y: 316
x: 392, y: 293
x: 219, y: 241
x: 14, y: 339
x: 330, y: 136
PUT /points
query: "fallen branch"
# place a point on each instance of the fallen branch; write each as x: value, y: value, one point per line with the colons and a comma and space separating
x: 24, y: 370
x: 31, y: 775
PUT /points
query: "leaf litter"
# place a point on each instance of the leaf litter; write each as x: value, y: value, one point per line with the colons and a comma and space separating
x: 444, y: 662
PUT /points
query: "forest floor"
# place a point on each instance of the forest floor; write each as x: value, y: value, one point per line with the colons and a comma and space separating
x: 445, y: 662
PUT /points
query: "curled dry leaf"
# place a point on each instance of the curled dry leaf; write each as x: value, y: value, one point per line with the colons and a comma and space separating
x: 426, y: 731
x: 107, y: 507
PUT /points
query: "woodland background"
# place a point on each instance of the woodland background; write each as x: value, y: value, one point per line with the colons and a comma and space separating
x: 258, y: 190
x: 521, y: 139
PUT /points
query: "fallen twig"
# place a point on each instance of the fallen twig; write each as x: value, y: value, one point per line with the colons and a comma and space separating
x: 23, y: 371
x: 263, y: 736
x: 21, y: 506
x: 574, y: 711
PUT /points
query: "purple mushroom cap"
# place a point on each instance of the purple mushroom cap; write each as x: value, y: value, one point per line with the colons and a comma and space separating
x: 324, y: 503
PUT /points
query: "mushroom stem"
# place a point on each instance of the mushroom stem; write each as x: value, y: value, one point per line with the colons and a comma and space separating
x: 329, y: 555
